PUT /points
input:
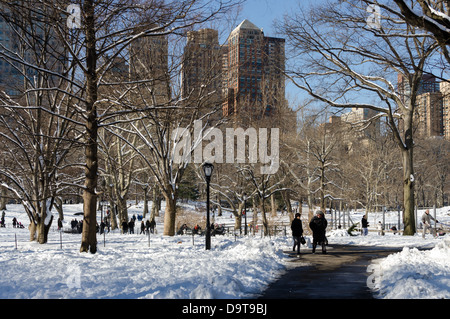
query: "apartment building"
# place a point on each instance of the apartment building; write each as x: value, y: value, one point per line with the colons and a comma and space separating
x: 148, y: 62
x: 428, y: 115
x: 202, y: 68
x: 445, y: 91
x: 253, y: 72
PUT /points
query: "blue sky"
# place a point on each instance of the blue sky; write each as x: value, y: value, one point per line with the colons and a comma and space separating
x: 263, y: 12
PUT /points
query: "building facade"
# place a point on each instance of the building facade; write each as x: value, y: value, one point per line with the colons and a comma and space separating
x: 445, y: 91
x: 148, y: 62
x: 429, y: 116
x: 253, y: 72
x: 202, y: 68
x: 431, y: 109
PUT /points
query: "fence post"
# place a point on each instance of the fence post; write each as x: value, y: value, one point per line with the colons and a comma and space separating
x: 416, y: 217
x: 434, y: 215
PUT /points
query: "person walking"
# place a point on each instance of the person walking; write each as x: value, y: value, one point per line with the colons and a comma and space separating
x: 364, y: 225
x: 426, y: 221
x: 297, y: 232
x: 318, y: 225
x: 131, y: 226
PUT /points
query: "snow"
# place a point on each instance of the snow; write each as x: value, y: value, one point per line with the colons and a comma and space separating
x: 130, y: 266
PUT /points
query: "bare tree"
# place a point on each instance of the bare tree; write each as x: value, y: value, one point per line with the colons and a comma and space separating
x: 434, y: 18
x: 105, y: 31
x: 347, y: 62
x: 38, y: 123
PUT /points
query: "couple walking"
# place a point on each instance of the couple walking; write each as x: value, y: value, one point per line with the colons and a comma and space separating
x: 318, y: 224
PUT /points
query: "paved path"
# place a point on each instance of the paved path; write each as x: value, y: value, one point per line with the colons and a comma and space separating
x: 340, y: 274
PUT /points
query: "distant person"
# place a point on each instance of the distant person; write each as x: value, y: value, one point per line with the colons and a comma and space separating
x: 380, y: 228
x: 131, y: 226
x: 426, y: 221
x: 297, y: 232
x: 124, y: 226
x: 364, y: 225
x: 152, y: 226
x: 147, y: 227
x: 318, y: 225
x: 394, y: 229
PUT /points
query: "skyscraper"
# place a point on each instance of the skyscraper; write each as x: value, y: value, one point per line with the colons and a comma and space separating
x: 253, y: 72
x: 428, y: 108
x: 445, y: 91
x: 429, y: 114
x: 202, y: 68
x: 37, y: 51
x: 149, y: 63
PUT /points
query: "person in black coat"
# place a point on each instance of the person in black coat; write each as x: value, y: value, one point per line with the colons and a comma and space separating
x: 318, y: 224
x: 365, y: 225
x: 297, y: 232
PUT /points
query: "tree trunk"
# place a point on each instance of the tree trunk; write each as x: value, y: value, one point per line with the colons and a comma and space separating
x: 59, y: 207
x: 156, y: 201
x: 32, y: 228
x: 273, y: 205
x: 122, y: 209
x: 169, y: 215
x: 112, y: 214
x: 145, y: 210
x: 238, y: 216
x: 265, y: 222
x: 3, y: 194
x: 89, y: 234
x: 408, y: 193
x: 42, y: 230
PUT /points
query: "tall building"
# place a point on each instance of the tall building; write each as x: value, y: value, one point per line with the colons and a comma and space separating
x: 445, y: 91
x: 149, y: 63
x: 429, y: 114
x: 40, y: 48
x: 8, y: 74
x: 202, y: 68
x: 428, y: 84
x: 253, y: 72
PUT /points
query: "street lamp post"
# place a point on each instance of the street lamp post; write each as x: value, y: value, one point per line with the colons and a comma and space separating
x: 245, y: 214
x: 208, y: 169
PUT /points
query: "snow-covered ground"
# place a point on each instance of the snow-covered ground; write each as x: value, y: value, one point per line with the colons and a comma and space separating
x: 179, y: 267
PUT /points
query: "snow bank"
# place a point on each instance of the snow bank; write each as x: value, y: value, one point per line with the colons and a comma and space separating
x: 178, y: 267
x: 414, y: 274
x: 171, y: 268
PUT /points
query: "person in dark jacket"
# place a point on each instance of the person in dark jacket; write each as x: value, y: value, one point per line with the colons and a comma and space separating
x: 297, y: 232
x: 318, y: 224
x: 364, y: 225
